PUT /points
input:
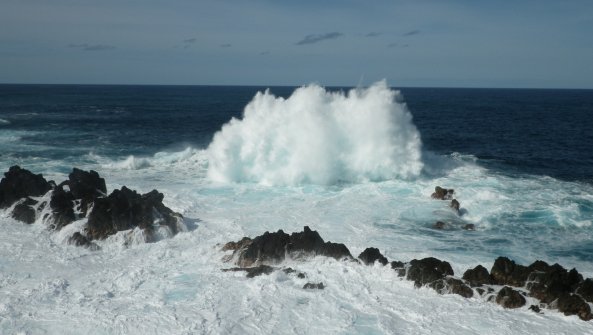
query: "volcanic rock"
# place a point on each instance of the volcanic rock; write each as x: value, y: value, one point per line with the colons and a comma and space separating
x: 80, y: 240
x: 24, y: 211
x: 273, y: 247
x: 572, y: 304
x: 86, y: 186
x: 126, y: 209
x: 585, y: 290
x: 370, y: 255
x: 254, y: 271
x: 314, y: 286
x: 509, y: 298
x: 427, y: 270
x: 20, y: 183
x: 442, y: 193
x: 548, y: 282
x: 62, y: 207
x: 477, y: 276
x: 455, y: 205
x: 507, y: 272
x: 439, y: 225
x: 450, y: 285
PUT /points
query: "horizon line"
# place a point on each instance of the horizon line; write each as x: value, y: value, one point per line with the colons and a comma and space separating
x: 293, y: 86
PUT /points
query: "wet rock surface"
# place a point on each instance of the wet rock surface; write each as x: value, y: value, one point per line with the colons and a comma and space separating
x: 314, y: 286
x: 477, y: 276
x: 442, y: 193
x: 371, y: 255
x: 509, y: 298
x: 83, y: 195
x: 427, y: 270
x: 19, y: 183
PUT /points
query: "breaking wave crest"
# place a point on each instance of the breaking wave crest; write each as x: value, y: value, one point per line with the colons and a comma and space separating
x: 318, y: 137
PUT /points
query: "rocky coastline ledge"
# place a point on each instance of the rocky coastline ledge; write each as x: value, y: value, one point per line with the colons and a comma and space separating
x: 83, y: 198
x: 30, y: 198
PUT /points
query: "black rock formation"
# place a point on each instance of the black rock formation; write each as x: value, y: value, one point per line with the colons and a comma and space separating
x: 20, y: 183
x: 370, y: 255
x: 442, y: 193
x: 509, y: 298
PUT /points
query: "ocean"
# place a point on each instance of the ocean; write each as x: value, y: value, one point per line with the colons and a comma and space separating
x: 356, y: 164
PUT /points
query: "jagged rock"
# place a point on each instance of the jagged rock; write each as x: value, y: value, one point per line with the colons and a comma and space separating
x: 427, y: 270
x: 62, y: 208
x: 469, y: 226
x: 314, y: 286
x: 509, y: 298
x: 24, y: 211
x: 399, y: 267
x: 507, y: 272
x: 548, y: 282
x: 455, y: 205
x: 572, y: 304
x: 439, y: 225
x: 535, y: 308
x: 450, y: 285
x: 86, y: 186
x: 244, y: 242
x: 370, y: 255
x: 20, y: 183
x: 254, y: 271
x: 126, y: 209
x: 477, y: 276
x: 80, y: 240
x: 273, y: 247
x: 442, y: 193
x: 585, y: 290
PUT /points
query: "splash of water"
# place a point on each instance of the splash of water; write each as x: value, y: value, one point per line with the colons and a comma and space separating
x: 318, y: 137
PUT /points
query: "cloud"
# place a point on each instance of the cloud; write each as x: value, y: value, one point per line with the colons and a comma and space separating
x: 411, y: 33
x: 312, y: 39
x: 373, y: 34
x: 92, y: 47
x: 190, y: 40
x: 226, y: 45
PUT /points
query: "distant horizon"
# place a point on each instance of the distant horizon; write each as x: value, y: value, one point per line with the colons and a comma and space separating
x: 295, y: 86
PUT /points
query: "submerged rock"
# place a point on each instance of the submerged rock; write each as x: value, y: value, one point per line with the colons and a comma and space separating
x: 455, y: 205
x: 314, y: 286
x: 370, y: 255
x: 442, y: 193
x: 80, y: 240
x: 439, y: 225
x: 19, y: 183
x: 509, y: 298
x: 254, y: 271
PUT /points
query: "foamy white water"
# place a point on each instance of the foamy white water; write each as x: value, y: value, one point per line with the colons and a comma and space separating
x: 318, y: 137
x: 176, y: 286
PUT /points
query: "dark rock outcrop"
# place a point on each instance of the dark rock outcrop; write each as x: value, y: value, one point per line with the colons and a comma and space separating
x: 585, y: 290
x: 314, y: 286
x: 455, y: 205
x: 273, y: 247
x: 439, y: 225
x: 509, y: 298
x: 450, y: 285
x: 61, y: 205
x: 442, y: 193
x: 126, y: 209
x: 548, y: 282
x: 427, y: 270
x: 86, y: 186
x: 572, y: 304
x: 370, y: 255
x: 24, y: 211
x: 507, y: 272
x: 477, y: 276
x: 244, y: 242
x: 80, y: 240
x: 20, y: 183
x: 399, y: 268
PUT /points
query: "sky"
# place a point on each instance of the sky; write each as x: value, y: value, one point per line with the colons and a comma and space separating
x: 463, y: 43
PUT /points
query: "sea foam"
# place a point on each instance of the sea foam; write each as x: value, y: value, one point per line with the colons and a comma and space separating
x: 318, y: 137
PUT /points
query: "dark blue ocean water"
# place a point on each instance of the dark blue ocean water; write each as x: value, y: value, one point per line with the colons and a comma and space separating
x: 540, y: 132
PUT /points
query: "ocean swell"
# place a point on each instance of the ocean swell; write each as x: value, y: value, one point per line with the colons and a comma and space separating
x: 318, y: 137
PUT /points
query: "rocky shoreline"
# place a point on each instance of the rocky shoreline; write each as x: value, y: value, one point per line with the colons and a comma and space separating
x: 30, y: 198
